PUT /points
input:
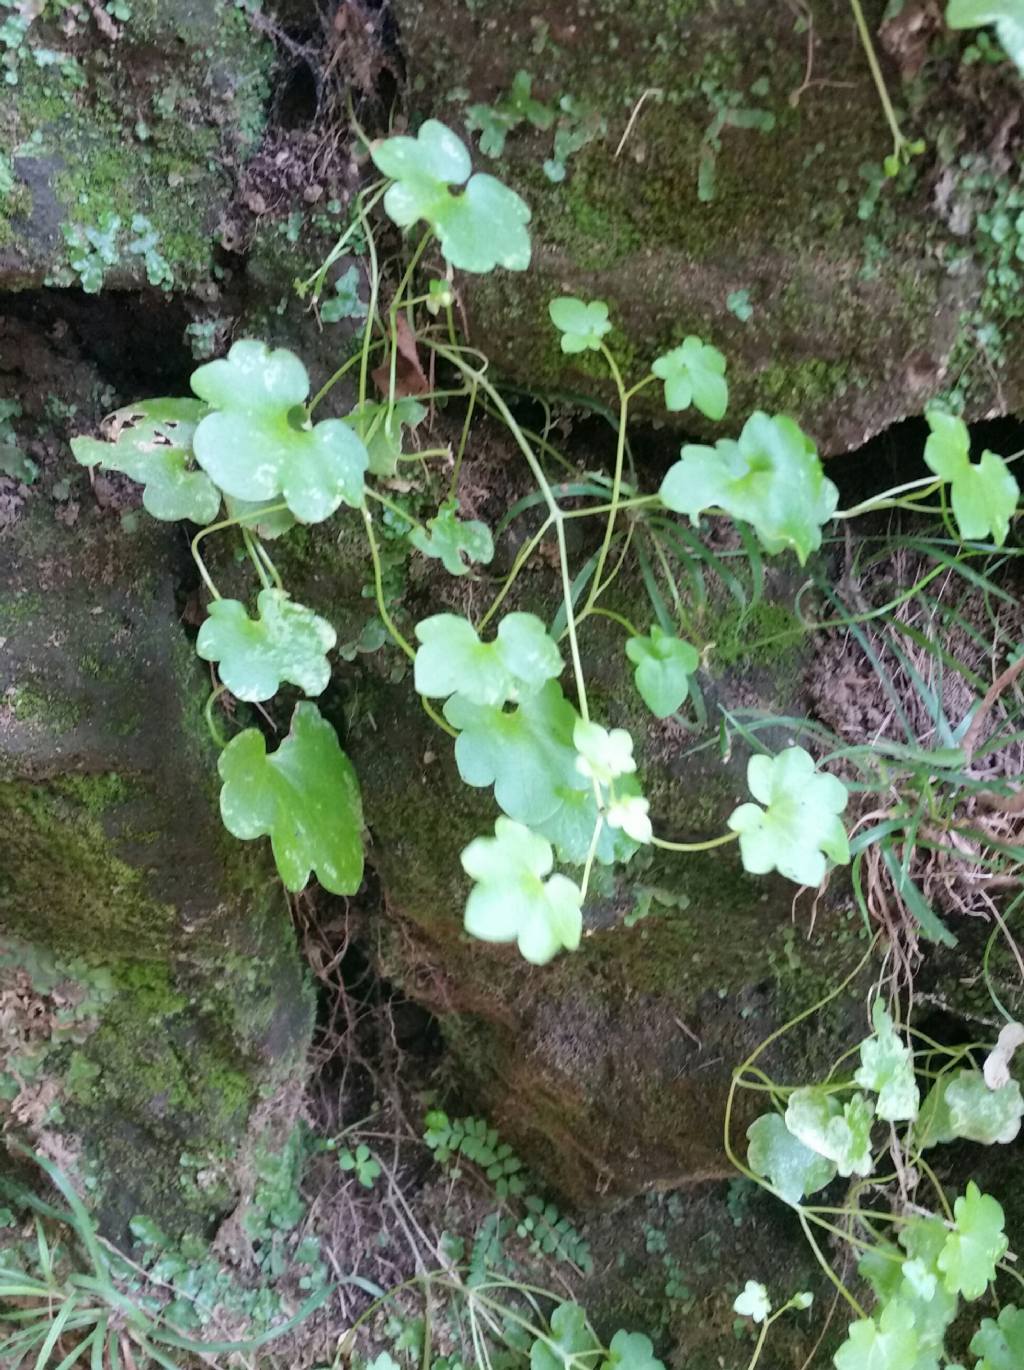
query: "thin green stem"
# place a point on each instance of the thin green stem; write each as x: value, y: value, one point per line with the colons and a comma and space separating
x: 366, y: 200
x: 592, y: 852
x: 640, y: 385
x: 215, y: 732
x: 695, y: 846
x: 926, y: 484
x: 622, y: 621
x: 639, y: 502
x: 876, y: 75
x: 522, y: 557
x: 508, y: 418
x: 827, y: 1268
x: 759, y: 1347
x: 342, y: 371
x: 250, y: 548
x: 620, y: 457
x: 395, y: 508
x: 268, y: 562
x: 378, y: 587
x: 464, y: 438
x: 396, y: 303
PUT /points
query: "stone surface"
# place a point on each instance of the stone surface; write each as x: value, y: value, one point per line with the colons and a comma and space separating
x: 865, y: 300
x: 123, y: 143
x: 116, y: 874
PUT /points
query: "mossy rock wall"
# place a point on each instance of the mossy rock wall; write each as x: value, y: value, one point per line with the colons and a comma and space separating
x: 120, y: 143
x: 733, y: 188
x: 120, y: 893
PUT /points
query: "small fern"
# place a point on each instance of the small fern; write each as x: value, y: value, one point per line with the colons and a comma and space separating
x: 547, y: 1230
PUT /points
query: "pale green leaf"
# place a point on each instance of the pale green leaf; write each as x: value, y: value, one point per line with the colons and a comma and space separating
x: 382, y: 429
x: 664, y: 664
x: 454, y: 542
x: 961, y: 1104
x: 451, y: 658
x: 631, y: 1351
x: 842, y: 1132
x: 887, y: 1068
x: 285, y: 641
x: 304, y: 796
x: 694, y: 374
x: 969, y: 1258
x: 772, y: 478
x: 259, y: 444
x: 799, y: 825
x: 527, y: 753
x: 754, y: 1302
x: 515, y: 897
x: 888, y: 1342
x: 1001, y: 1343
x: 984, y: 496
x: 570, y: 1336
x: 152, y: 443
x: 483, y: 227
x: 570, y: 828
x: 581, y: 325
x: 921, y: 1285
x: 789, y: 1166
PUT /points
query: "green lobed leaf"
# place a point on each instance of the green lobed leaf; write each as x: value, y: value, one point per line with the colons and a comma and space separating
x: 304, y: 796
x: 258, y: 443
x: 515, y: 897
x: 887, y: 1068
x: 771, y: 478
x: 984, y: 496
x: 479, y: 229
x: 961, y: 1104
x: 570, y: 1336
x: 570, y: 828
x: 789, y: 1166
x: 454, y: 542
x: 526, y: 754
x: 631, y: 1351
x: 153, y: 445
x: 920, y: 1284
x: 1001, y: 1343
x: 888, y: 1342
x: 382, y: 429
x: 694, y: 373
x: 799, y: 825
x: 842, y: 1132
x: 969, y: 1258
x: 664, y: 664
x: 451, y: 659
x: 581, y: 325
x: 285, y: 641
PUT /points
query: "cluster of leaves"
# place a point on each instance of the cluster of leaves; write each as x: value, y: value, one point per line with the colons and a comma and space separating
x: 549, y: 1232
x: 566, y: 785
x: 828, y: 1129
x: 575, y: 123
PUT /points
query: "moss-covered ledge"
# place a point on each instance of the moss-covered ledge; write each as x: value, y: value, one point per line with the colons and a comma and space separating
x: 732, y: 187
x: 117, y: 869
